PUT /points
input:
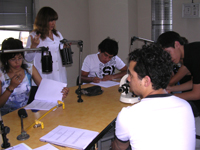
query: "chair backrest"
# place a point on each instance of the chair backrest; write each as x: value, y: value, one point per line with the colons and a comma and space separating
x: 32, y: 94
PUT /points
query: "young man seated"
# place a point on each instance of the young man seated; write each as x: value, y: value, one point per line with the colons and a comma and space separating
x: 160, y: 121
x: 101, y: 66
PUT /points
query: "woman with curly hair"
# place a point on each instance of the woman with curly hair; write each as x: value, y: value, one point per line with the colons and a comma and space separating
x: 45, y: 34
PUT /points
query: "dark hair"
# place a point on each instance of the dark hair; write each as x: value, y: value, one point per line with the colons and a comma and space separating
x: 168, y: 39
x: 7, y: 44
x: 109, y: 45
x: 154, y: 62
x: 185, y: 40
x: 41, y: 24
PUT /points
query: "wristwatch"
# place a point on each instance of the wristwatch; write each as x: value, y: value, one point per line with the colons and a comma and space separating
x: 9, y: 90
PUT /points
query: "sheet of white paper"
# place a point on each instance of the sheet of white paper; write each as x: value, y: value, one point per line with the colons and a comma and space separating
x: 50, y: 90
x: 21, y: 146
x: 47, y: 95
x: 41, y: 105
x: 70, y: 137
x: 46, y: 147
x: 106, y: 84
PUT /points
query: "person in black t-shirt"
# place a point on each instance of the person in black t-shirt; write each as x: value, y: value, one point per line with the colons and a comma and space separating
x: 189, y: 56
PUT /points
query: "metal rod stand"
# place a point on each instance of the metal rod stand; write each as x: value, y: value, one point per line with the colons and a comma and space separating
x: 80, y: 44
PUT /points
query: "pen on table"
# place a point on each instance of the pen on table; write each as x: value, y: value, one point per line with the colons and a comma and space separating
x: 96, y: 74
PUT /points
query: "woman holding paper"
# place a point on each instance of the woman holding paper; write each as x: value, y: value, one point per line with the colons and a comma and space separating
x: 15, y: 78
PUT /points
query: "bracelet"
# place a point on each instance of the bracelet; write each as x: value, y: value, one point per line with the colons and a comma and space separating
x: 9, y: 90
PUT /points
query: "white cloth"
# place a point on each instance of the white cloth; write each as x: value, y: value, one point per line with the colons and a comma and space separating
x: 94, y: 66
x: 157, y: 123
x: 59, y: 72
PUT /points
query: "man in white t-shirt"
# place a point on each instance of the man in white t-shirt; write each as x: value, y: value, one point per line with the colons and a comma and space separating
x: 160, y: 121
x: 101, y: 66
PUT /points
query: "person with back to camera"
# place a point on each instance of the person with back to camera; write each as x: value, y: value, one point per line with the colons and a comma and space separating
x: 45, y: 34
x: 188, y: 55
x: 15, y: 78
x: 160, y: 121
x: 101, y: 66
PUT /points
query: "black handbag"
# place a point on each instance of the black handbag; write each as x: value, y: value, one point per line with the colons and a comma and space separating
x: 91, y: 91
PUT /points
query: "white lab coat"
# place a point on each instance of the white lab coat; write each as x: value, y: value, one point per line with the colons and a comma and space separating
x: 59, y: 72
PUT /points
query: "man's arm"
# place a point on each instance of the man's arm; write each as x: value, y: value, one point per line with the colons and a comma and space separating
x: 119, y: 75
x: 182, y: 71
x: 183, y: 87
x: 86, y: 79
x: 118, y: 145
x: 191, y: 95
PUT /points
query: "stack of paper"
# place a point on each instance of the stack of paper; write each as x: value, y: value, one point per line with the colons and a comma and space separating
x: 47, y: 95
x: 70, y: 137
x: 21, y: 146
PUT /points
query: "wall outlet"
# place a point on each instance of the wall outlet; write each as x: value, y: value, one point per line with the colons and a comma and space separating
x: 191, y: 10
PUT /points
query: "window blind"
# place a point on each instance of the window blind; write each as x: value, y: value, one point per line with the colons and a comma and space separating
x: 16, y: 15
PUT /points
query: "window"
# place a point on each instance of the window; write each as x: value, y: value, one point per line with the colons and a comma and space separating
x: 21, y: 35
x: 16, y: 19
x: 16, y: 15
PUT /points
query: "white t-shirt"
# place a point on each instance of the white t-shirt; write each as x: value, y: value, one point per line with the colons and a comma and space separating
x: 158, y: 122
x: 94, y: 66
x: 59, y: 72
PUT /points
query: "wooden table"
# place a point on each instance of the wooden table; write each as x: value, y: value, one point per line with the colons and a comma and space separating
x: 94, y: 113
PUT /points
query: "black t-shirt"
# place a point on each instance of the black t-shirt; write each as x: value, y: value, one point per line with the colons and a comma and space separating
x: 192, y: 60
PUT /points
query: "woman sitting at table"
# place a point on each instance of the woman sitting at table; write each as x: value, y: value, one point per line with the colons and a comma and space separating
x: 15, y: 78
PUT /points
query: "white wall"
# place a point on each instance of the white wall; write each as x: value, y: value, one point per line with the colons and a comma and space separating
x: 190, y: 27
x: 109, y: 18
x: 94, y: 20
x: 187, y: 27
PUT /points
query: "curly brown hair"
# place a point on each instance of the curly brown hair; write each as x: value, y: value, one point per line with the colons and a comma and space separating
x: 154, y: 62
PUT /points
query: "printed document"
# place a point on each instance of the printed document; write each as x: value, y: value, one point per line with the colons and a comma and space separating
x: 21, y: 146
x: 47, y: 95
x: 70, y: 137
x: 46, y: 147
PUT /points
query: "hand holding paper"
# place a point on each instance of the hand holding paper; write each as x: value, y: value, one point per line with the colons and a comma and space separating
x: 47, y: 95
x: 65, y: 92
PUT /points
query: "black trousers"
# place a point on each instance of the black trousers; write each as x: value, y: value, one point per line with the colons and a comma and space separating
x: 195, y: 107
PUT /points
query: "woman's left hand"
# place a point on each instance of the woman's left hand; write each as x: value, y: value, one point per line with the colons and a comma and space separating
x: 65, y: 92
x: 67, y: 46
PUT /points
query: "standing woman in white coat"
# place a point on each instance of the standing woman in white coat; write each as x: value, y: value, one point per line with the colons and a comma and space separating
x: 45, y: 34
